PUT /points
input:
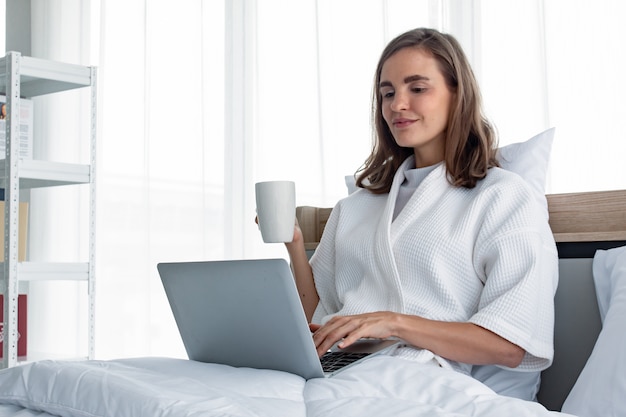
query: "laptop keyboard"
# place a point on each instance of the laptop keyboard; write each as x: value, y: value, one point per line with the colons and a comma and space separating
x: 331, y: 361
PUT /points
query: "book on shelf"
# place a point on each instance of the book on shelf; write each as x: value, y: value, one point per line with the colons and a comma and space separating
x: 21, y: 324
x: 26, y: 128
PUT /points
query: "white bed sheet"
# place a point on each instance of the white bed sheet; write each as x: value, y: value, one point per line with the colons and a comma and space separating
x: 16, y: 411
x: 383, y: 386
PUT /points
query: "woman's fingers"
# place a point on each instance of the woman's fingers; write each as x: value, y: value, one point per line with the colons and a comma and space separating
x: 349, y: 329
x: 337, y: 329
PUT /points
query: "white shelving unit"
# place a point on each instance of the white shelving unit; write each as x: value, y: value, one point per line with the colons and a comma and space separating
x: 27, y: 77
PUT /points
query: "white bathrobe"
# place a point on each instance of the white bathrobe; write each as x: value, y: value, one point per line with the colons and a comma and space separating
x: 484, y: 255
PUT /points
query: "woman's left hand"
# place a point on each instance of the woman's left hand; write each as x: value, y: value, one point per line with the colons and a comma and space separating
x: 349, y: 329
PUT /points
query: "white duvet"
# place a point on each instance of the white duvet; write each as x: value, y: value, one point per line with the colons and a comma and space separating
x: 381, y: 386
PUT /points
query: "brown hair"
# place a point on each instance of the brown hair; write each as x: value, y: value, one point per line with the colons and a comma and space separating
x: 470, y: 143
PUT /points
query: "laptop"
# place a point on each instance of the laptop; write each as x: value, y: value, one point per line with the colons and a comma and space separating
x: 247, y: 313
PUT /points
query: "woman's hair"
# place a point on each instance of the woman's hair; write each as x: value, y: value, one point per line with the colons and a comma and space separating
x: 470, y: 140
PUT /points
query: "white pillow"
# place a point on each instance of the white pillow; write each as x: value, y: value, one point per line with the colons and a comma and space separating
x: 530, y: 160
x: 351, y: 183
x: 603, y: 265
x: 601, y: 387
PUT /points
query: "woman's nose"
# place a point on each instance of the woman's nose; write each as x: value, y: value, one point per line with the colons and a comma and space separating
x: 399, y: 102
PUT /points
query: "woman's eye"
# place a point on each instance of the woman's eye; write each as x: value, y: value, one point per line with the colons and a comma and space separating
x: 387, y: 94
x: 418, y: 89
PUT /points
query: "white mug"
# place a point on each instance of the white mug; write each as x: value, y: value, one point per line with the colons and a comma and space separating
x: 276, y: 210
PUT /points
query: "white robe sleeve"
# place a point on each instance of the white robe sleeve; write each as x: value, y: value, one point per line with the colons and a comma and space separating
x: 517, y: 258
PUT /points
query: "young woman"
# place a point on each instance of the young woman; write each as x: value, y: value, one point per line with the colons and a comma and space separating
x: 440, y: 247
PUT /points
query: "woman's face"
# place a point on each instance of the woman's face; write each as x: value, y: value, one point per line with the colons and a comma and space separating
x: 416, y: 103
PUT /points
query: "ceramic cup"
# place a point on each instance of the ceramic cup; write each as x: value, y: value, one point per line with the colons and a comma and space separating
x: 276, y: 210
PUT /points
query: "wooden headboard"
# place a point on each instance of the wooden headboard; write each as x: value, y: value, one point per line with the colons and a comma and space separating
x: 597, y: 216
x: 312, y: 221
x: 588, y: 217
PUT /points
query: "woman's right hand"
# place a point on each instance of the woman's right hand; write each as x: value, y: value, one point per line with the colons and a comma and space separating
x: 297, y: 232
x: 297, y: 236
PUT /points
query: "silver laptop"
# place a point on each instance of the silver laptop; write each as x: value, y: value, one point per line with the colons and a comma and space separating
x: 247, y: 313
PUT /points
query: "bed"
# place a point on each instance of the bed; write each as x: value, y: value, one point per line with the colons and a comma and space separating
x: 587, y: 377
x: 590, y: 358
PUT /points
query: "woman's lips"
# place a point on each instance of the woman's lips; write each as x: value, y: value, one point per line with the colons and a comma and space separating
x: 402, y: 122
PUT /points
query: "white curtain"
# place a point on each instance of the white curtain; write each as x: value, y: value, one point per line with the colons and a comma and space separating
x: 200, y: 99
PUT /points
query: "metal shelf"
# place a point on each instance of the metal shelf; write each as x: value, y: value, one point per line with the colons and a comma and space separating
x: 40, y: 76
x: 50, y: 271
x: 36, y: 174
x: 27, y: 77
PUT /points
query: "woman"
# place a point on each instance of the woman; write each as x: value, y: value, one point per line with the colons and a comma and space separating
x: 440, y: 248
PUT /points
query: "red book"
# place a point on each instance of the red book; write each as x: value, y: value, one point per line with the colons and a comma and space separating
x: 21, y: 324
